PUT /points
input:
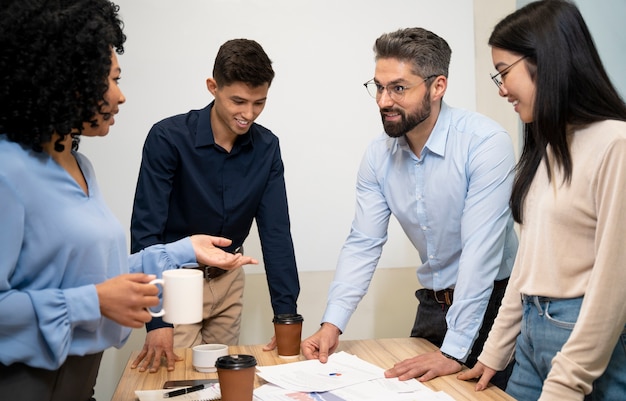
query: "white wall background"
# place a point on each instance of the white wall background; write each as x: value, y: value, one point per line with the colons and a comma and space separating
x: 317, y: 106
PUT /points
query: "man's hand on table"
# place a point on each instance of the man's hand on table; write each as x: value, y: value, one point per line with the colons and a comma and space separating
x: 424, y: 367
x: 159, y: 343
x: 321, y: 344
x: 271, y: 345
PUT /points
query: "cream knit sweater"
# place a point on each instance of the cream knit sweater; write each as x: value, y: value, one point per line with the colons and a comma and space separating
x: 572, y: 244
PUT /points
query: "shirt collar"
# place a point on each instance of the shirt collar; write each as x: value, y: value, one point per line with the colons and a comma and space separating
x: 204, y: 135
x: 436, y: 142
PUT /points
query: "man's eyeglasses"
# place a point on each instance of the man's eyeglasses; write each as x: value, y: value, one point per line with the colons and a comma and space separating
x: 395, y: 91
x: 497, y: 79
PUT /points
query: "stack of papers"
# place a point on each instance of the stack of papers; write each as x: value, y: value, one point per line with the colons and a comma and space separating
x: 344, y: 377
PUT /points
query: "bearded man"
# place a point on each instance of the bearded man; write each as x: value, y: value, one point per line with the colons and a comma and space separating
x: 446, y: 176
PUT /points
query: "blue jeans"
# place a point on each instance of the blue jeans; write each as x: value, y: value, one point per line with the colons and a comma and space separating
x: 546, y: 325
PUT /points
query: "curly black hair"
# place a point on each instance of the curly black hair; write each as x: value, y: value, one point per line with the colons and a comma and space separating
x: 54, y: 65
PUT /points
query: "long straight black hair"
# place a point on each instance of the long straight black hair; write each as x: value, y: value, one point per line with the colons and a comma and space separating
x: 572, y: 87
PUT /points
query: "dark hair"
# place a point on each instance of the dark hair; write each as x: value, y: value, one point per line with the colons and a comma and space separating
x: 242, y: 60
x: 428, y: 53
x: 54, y: 65
x: 572, y: 87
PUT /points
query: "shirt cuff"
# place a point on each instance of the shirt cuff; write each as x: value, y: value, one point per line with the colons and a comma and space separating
x: 83, y: 307
x: 456, y: 345
x: 157, y: 323
x: 181, y: 252
x: 337, y: 315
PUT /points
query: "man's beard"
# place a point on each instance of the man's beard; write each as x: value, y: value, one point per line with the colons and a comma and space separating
x: 407, y: 122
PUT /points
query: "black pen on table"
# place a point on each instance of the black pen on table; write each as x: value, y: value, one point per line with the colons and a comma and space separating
x: 184, y: 391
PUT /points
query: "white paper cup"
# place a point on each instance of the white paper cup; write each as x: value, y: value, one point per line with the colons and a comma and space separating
x: 203, y: 356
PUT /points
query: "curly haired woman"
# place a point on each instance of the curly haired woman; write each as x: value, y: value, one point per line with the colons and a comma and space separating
x: 68, y: 289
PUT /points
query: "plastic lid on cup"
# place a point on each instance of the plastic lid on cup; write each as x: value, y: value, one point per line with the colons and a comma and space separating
x: 235, y: 362
x: 288, y: 318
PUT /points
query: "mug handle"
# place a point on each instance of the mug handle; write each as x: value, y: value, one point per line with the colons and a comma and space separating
x: 160, y: 313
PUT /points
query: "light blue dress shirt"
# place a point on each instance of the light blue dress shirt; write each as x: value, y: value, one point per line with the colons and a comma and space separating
x: 452, y: 203
x: 56, y: 243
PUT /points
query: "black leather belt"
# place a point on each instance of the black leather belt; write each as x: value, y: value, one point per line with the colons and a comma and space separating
x: 212, y: 272
x: 446, y: 296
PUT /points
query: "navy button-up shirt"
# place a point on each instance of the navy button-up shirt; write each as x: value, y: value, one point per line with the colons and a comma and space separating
x: 190, y: 185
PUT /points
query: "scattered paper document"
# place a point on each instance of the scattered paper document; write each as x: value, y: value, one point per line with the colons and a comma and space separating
x: 341, y: 370
x: 344, y: 377
x: 367, y: 391
x: 398, y: 386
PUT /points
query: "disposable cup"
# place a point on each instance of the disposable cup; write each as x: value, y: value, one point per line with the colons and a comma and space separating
x: 288, y: 332
x: 236, y: 376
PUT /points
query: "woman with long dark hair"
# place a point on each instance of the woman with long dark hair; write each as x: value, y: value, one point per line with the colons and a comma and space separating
x: 563, y: 316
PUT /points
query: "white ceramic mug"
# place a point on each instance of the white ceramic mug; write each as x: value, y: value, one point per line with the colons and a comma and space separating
x: 182, y: 295
x: 203, y: 356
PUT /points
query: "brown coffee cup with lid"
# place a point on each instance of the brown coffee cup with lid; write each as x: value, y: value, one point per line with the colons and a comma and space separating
x: 236, y: 376
x: 288, y: 332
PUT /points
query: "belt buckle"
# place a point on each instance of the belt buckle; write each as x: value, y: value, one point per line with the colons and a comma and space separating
x: 207, y: 276
x: 213, y: 272
x: 446, y: 295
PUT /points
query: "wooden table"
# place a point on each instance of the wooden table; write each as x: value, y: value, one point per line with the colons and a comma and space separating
x: 381, y: 352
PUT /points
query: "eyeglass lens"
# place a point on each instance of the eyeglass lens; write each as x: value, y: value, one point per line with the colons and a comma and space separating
x: 497, y: 79
x: 394, y: 91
